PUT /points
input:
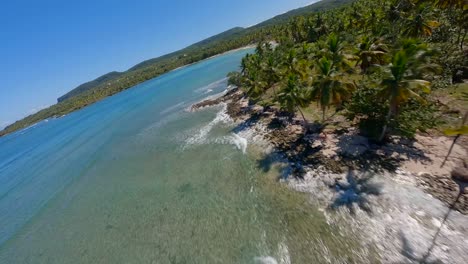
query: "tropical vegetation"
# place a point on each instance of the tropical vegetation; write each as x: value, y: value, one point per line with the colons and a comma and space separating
x: 375, y: 62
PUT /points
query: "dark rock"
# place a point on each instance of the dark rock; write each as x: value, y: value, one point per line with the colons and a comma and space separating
x: 460, y: 173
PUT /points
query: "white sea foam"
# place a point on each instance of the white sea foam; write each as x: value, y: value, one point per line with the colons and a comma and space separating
x: 212, y: 86
x: 283, y: 253
x: 201, y: 136
x: 283, y: 256
x: 240, y: 142
x: 265, y: 260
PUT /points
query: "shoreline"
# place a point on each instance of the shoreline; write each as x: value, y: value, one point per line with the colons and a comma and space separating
x: 341, y: 150
x: 396, y: 195
x: 4, y: 132
x: 214, y: 56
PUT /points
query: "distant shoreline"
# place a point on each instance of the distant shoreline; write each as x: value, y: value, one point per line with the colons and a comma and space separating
x: 8, y: 128
x: 214, y: 56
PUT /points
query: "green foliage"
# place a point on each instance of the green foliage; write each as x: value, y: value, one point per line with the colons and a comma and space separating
x: 368, y: 111
x: 329, y: 87
x: 235, y: 78
x: 293, y: 95
x: 322, y: 51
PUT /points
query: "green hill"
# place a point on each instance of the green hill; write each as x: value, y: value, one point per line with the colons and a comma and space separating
x: 237, y: 32
x: 222, y: 36
x: 90, y: 85
x: 320, y: 6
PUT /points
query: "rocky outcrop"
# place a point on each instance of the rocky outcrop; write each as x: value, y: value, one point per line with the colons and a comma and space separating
x: 460, y: 173
x: 232, y: 95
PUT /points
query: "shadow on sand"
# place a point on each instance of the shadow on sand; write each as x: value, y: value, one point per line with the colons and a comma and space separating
x: 355, y: 191
x: 360, y: 152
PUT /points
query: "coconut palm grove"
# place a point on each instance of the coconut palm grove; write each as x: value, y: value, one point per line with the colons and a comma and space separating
x: 374, y: 62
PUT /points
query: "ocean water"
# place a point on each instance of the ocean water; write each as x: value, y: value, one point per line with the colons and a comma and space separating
x: 136, y: 178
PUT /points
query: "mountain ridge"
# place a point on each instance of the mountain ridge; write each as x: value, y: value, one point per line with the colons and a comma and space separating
x: 230, y: 33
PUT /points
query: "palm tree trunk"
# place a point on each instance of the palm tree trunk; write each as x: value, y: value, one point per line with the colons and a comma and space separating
x: 459, y: 33
x: 323, y: 114
x: 387, y: 119
x: 450, y: 150
x: 463, y: 40
x: 274, y: 91
x: 303, y: 117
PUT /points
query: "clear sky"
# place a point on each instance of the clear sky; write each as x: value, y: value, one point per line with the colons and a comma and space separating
x: 49, y: 47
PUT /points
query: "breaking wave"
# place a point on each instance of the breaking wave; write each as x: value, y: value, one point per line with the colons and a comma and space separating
x: 202, y: 135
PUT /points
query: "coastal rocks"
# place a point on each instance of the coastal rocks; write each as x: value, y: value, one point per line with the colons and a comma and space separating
x: 231, y: 95
x: 206, y: 103
x: 445, y: 189
x: 353, y: 145
x: 460, y: 173
x: 415, y: 160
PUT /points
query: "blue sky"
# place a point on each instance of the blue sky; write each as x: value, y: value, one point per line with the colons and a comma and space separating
x: 49, y: 47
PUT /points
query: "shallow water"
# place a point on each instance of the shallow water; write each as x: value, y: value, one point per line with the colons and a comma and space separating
x: 137, y: 179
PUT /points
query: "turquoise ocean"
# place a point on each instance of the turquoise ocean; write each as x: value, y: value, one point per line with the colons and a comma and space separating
x: 136, y: 178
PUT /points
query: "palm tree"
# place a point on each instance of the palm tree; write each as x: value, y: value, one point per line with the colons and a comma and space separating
x: 254, y: 86
x: 403, y: 79
x: 333, y: 49
x: 461, y: 19
x: 244, y: 63
x: 329, y: 87
x: 371, y: 52
x: 292, y: 65
x: 271, y: 71
x: 292, y: 97
x: 462, y: 4
x: 419, y: 24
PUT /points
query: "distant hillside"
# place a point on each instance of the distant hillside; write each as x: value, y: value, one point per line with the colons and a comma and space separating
x: 222, y: 36
x: 112, y: 76
x: 229, y: 35
x: 201, y: 44
x: 90, y: 85
x: 320, y: 6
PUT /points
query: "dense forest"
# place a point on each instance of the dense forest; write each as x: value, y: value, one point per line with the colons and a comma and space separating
x: 387, y: 66
x: 115, y: 82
